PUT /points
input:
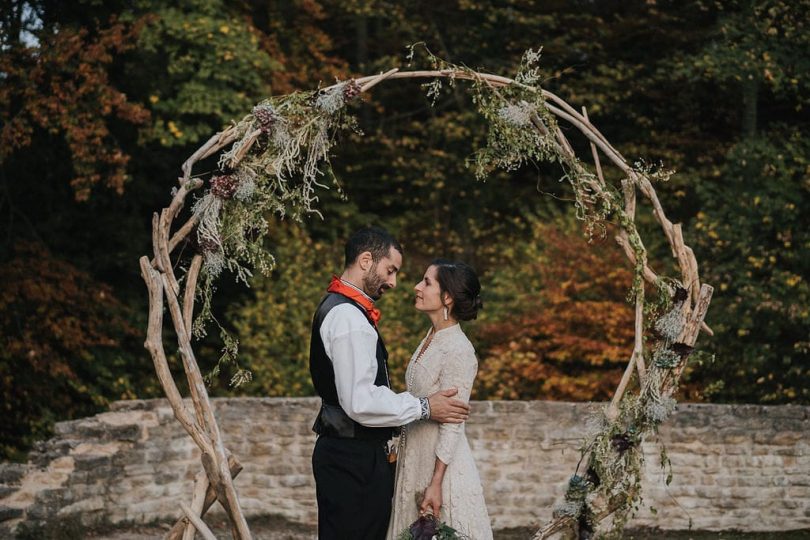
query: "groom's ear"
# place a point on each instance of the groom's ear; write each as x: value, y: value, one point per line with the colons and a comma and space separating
x: 365, y: 260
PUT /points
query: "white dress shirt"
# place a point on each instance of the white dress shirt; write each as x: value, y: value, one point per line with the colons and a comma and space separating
x: 351, y: 344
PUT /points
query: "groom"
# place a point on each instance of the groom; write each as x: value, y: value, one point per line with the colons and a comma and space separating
x: 359, y: 411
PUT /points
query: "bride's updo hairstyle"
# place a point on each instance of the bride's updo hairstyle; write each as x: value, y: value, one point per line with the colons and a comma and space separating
x: 459, y: 281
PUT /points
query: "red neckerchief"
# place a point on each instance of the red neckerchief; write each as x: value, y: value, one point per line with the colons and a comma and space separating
x: 337, y: 286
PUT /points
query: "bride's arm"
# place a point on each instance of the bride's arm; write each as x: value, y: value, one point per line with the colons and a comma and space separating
x: 458, y: 371
x: 432, y: 502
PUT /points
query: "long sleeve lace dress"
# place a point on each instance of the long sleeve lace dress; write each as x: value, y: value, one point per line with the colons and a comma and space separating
x: 449, y: 361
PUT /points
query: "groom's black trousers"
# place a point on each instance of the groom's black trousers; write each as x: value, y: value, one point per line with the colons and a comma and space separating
x: 354, y: 486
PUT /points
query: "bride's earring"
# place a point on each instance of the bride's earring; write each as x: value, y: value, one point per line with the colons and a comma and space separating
x: 445, y: 313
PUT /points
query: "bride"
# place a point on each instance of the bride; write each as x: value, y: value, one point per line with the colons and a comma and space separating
x: 436, y: 472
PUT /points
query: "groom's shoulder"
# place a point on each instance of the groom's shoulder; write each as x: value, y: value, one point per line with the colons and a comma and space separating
x: 343, y: 316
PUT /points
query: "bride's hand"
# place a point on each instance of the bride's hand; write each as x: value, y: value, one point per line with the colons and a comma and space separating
x: 432, y: 503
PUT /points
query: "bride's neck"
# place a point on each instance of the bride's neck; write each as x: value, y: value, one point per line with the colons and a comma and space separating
x: 440, y: 324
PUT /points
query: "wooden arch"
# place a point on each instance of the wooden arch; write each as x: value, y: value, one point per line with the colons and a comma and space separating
x: 214, y: 483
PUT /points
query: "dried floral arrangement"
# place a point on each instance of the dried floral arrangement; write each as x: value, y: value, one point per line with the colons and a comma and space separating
x: 277, y: 158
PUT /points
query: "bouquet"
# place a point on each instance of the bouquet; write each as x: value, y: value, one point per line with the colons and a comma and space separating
x: 428, y: 527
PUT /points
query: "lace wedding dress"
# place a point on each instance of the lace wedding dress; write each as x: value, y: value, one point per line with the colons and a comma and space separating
x: 449, y: 361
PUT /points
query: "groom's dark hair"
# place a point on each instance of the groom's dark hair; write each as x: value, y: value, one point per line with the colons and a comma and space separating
x: 376, y: 240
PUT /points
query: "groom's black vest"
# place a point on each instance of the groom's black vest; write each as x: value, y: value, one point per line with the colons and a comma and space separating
x: 332, y: 420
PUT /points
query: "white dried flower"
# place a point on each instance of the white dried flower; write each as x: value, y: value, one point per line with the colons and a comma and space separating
x: 658, y: 411
x: 332, y: 100
x: 208, y: 209
x: 519, y: 114
x: 241, y: 377
x: 532, y: 56
x: 246, y: 186
x: 670, y: 324
x: 281, y: 136
x: 567, y: 509
x: 214, y: 262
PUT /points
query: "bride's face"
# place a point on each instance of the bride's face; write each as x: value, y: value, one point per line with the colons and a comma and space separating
x: 428, y: 293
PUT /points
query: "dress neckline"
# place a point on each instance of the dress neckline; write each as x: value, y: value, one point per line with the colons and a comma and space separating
x: 443, y: 330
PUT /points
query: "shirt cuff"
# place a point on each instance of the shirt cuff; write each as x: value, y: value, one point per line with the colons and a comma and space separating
x: 424, y: 405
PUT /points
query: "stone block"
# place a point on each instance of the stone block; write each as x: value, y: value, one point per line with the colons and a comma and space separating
x: 83, y: 506
x: 89, y: 462
x: 7, y: 513
x: 296, y: 481
x: 12, y: 473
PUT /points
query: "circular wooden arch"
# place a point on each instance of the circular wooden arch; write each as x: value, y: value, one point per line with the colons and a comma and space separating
x: 690, y: 303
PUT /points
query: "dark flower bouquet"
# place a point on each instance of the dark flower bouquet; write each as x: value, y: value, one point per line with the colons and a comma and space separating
x: 428, y: 527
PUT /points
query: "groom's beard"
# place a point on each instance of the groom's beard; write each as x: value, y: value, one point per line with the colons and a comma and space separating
x: 373, y: 284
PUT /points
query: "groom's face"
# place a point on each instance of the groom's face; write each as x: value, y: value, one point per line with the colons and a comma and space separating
x: 382, y: 275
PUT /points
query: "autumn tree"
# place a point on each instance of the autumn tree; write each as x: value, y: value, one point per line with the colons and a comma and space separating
x: 69, y: 346
x: 560, y: 326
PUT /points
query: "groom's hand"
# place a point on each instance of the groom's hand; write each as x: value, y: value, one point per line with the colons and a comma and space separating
x: 445, y: 409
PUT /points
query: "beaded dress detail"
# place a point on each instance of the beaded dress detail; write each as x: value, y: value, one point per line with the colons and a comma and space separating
x: 448, y: 362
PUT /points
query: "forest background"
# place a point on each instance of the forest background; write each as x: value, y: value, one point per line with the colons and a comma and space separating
x: 100, y: 103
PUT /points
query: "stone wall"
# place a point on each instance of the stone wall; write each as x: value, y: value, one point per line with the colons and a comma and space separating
x: 739, y: 467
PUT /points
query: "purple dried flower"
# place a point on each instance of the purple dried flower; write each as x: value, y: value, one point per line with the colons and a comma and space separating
x: 266, y: 116
x: 224, y: 186
x: 424, y: 528
x: 351, y: 90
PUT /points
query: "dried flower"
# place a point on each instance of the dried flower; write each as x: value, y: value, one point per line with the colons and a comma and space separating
x: 214, y: 262
x: 430, y: 528
x: 519, y: 114
x: 567, y: 509
x: 578, y: 488
x: 622, y: 442
x: 266, y: 115
x: 224, y: 186
x: 246, y: 185
x: 671, y: 324
x: 665, y: 358
x: 332, y: 99
x: 351, y: 90
x: 658, y: 411
x: 208, y: 209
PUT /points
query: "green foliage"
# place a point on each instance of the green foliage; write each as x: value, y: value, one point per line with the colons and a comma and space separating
x: 198, y: 66
x: 274, y: 325
x: 755, y: 238
x: 755, y: 41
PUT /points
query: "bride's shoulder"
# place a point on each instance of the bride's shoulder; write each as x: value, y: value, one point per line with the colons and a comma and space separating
x: 460, y: 343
